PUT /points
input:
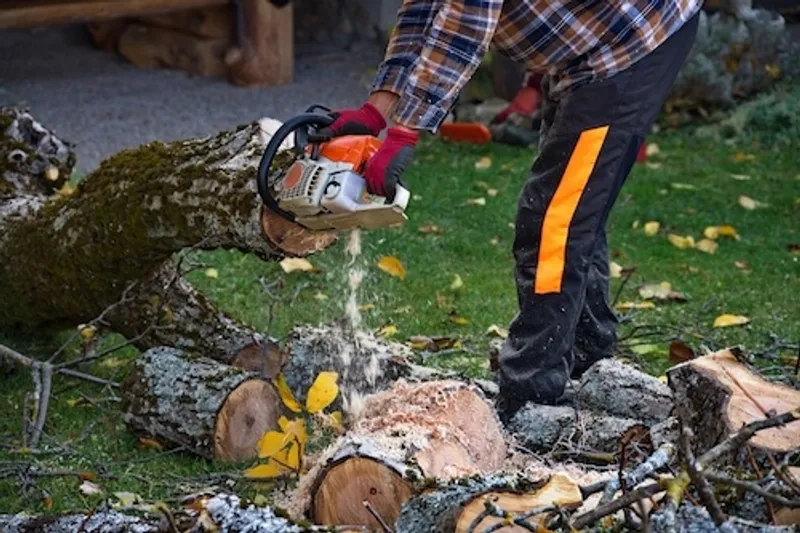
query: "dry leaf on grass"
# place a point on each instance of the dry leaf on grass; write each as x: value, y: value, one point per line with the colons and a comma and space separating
x: 660, y: 291
x: 741, y: 265
x: 292, y: 264
x: 492, y: 192
x: 431, y: 228
x: 433, y: 344
x: 750, y: 204
x: 684, y: 186
x: 741, y: 157
x: 495, y: 241
x: 616, y: 270
x: 387, y: 331
x: 653, y: 166
x: 651, y: 228
x: 88, y: 488
x: 459, y: 320
x: 496, y: 331
x: 625, y: 306
x: 681, y: 242
x: 680, y: 352
x: 652, y: 149
x: 483, y: 163
x: 728, y: 320
x: 740, y: 177
x: 392, y: 266
x: 212, y: 273
x: 476, y: 201
x: 707, y: 245
x: 457, y: 284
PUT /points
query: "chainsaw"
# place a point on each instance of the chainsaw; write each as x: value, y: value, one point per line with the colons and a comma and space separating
x: 323, y: 188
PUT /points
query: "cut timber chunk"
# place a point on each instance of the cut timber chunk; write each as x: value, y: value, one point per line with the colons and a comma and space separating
x: 456, y: 505
x: 214, y: 410
x: 411, y: 432
x: 719, y: 395
x: 153, y: 47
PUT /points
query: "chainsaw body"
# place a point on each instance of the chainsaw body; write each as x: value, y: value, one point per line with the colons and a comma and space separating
x: 323, y: 189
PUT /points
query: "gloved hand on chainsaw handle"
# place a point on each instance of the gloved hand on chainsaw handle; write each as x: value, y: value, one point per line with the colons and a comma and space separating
x: 366, y: 120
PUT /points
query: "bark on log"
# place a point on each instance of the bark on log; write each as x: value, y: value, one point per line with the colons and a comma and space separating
x: 719, y: 395
x: 405, y: 435
x: 154, y: 47
x: 100, y: 522
x: 611, y: 399
x: 216, y: 411
x: 365, y: 364
x: 457, y: 506
x: 65, y: 258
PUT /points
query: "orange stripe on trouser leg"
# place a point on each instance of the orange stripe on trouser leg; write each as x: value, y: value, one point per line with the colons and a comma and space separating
x: 557, y: 219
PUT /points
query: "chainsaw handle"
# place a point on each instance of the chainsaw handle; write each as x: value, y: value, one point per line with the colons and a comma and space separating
x: 299, y: 126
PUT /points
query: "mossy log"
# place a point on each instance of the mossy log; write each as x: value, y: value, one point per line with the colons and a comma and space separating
x: 404, y: 436
x: 99, y: 522
x: 717, y: 394
x: 216, y: 411
x: 457, y: 506
x: 68, y: 255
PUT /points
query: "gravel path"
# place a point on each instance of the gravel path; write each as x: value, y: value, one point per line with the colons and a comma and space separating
x: 103, y: 104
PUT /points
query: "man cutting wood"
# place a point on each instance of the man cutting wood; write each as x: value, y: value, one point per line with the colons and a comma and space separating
x: 608, y: 67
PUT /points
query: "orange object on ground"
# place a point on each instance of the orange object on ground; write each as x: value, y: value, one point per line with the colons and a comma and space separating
x: 465, y: 132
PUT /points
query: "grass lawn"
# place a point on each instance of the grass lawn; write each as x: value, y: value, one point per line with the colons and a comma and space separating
x: 691, y: 186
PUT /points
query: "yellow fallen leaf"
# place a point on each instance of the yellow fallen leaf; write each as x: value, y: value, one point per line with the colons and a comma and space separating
x: 681, y: 242
x: 652, y: 149
x: 292, y: 264
x: 457, y: 284
x: 212, y: 273
x: 728, y: 231
x: 295, y: 429
x: 322, y: 392
x: 492, y: 192
x: 728, y: 320
x: 707, y: 245
x: 741, y: 157
x: 336, y: 420
x: 496, y: 331
x: 266, y: 471
x: 320, y: 296
x: 476, y: 201
x: 483, y: 163
x: 387, y: 331
x: 392, y: 266
x: 636, y: 305
x: 750, y: 204
x: 366, y: 307
x: 711, y: 232
x: 494, y: 241
x: 404, y: 310
x: 87, y: 332
x: 286, y: 393
x: 460, y: 320
x: 651, y: 228
x: 740, y: 177
x: 271, y: 443
x: 635, y: 224
x: 616, y: 270
x: 658, y: 291
x: 741, y: 265
x: 150, y: 443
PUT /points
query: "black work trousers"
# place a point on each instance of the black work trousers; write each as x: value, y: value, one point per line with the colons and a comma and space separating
x: 589, y: 142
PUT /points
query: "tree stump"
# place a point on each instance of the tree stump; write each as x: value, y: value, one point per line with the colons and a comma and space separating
x: 718, y: 395
x: 214, y: 410
x: 412, y: 432
x: 458, y: 506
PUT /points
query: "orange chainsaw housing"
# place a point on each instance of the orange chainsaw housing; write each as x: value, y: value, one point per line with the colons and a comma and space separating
x: 353, y: 149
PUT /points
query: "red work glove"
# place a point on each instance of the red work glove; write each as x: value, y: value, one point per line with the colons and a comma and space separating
x: 385, y: 168
x: 366, y: 120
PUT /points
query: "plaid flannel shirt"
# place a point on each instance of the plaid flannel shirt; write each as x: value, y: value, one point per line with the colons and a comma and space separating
x: 437, y: 45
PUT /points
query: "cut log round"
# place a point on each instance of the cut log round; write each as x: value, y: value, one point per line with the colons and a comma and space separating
x: 214, y: 410
x: 718, y: 395
x: 411, y: 432
x: 458, y: 506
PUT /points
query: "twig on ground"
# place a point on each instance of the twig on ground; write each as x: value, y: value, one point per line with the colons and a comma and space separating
x: 631, y: 479
x: 45, y: 372
x: 698, y: 478
x: 377, y: 517
x: 717, y: 477
x: 589, y: 517
x: 736, y: 440
x: 88, y: 377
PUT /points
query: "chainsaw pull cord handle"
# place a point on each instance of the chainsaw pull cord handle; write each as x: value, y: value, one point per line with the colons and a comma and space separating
x: 299, y: 126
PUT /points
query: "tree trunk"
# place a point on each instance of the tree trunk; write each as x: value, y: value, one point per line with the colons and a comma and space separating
x: 100, y: 522
x: 412, y: 432
x: 216, y: 411
x: 458, y: 506
x: 65, y: 258
x: 718, y: 395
